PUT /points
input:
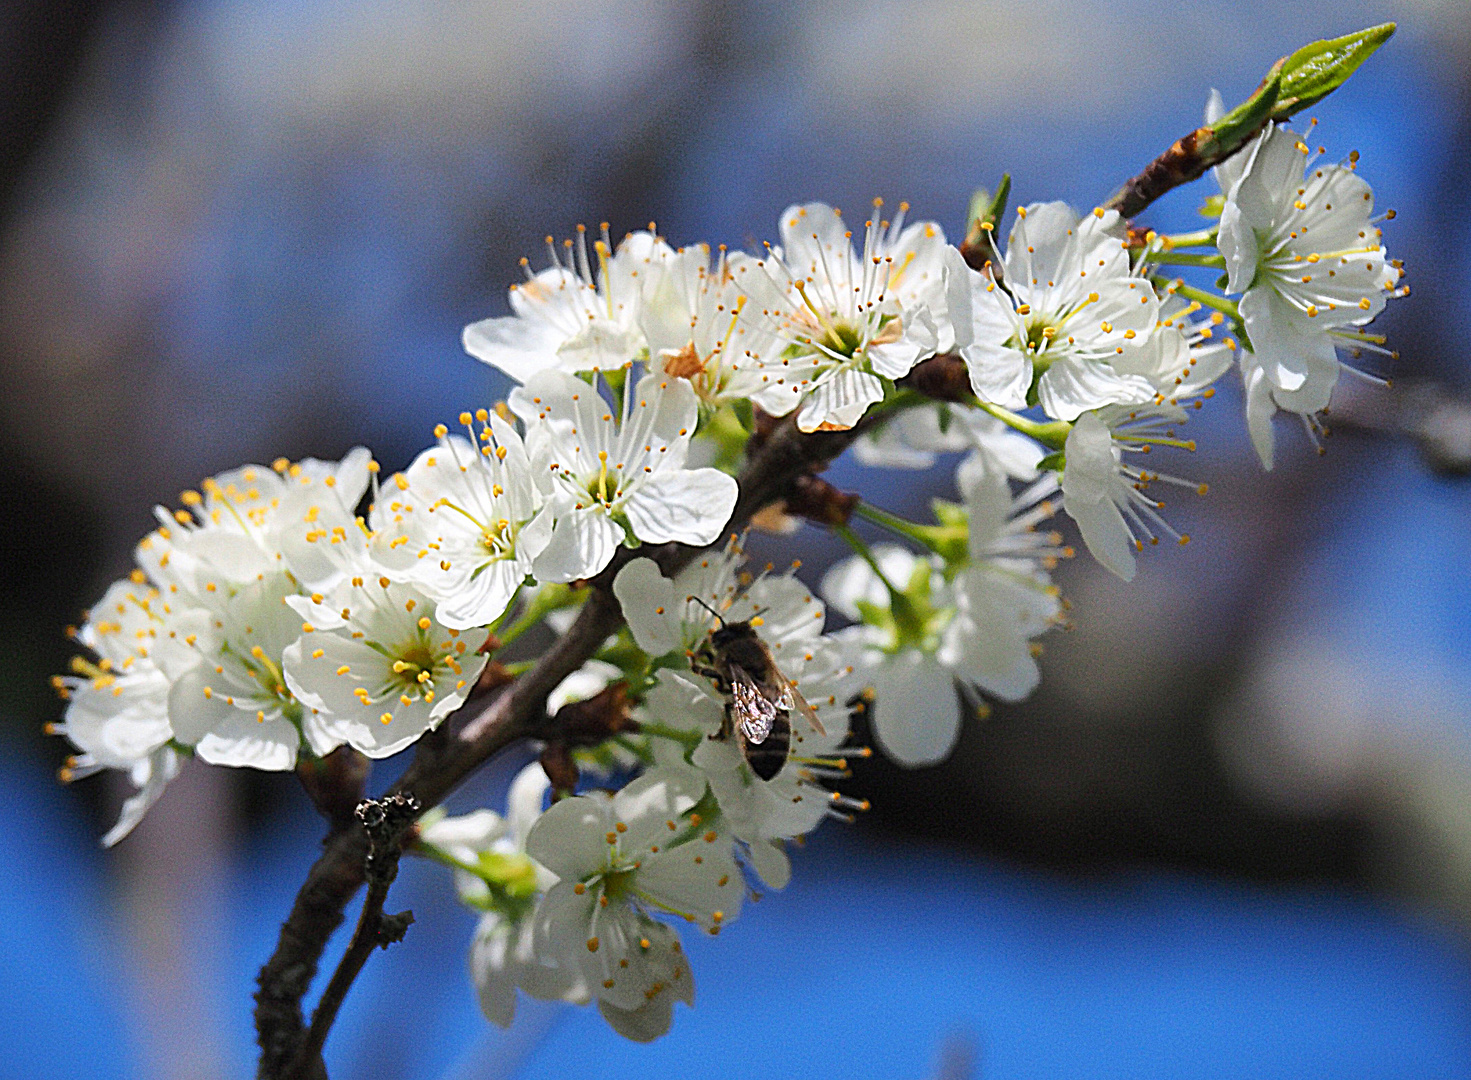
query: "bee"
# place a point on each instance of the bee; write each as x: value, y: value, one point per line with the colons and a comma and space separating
x: 758, y: 697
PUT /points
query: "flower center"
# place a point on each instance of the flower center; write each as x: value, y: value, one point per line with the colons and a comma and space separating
x: 497, y: 539
x: 618, y: 883
x: 1038, y: 334
x: 684, y: 363
x: 842, y: 337
x: 600, y: 485
x: 414, y: 666
x: 264, y: 670
x: 511, y: 879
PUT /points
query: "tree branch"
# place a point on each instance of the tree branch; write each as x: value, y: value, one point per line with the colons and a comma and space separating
x: 385, y: 823
x: 1180, y: 164
x: 315, y: 916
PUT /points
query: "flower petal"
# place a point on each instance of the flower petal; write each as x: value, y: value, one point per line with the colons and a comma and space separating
x: 1088, y: 480
x: 582, y: 543
x: 998, y: 373
x: 163, y: 766
x: 650, y: 607
x: 686, y: 506
x: 493, y: 969
x: 769, y: 860
x: 568, y: 839
x: 1259, y: 408
x: 840, y: 400
x: 1292, y: 350
x: 242, y: 740
x: 518, y: 346
x: 1072, y: 386
x: 916, y: 716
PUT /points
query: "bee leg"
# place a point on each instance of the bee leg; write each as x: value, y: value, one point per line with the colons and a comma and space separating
x: 726, y: 728
x: 708, y: 673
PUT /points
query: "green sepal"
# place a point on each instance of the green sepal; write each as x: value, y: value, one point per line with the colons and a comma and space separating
x: 745, y: 412
x: 615, y: 380
x: 623, y: 653
x: 874, y: 614
x: 513, y: 875
x: 950, y: 513
x: 547, y: 599
x: 729, y: 428
x: 698, y: 819
x: 918, y: 585
x: 997, y: 206
x: 605, y: 758
x: 1293, y: 83
x: 1056, y: 461
x: 986, y: 209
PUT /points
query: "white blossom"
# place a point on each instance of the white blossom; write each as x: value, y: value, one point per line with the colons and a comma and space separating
x: 1106, y: 495
x: 494, y: 875
x: 233, y: 705
x: 117, y: 705
x: 621, y: 860
x: 254, y: 521
x: 614, y: 481
x: 376, y: 667
x: 847, y: 320
x: 794, y: 801
x: 571, y: 317
x: 314, y: 523
x: 208, y: 622
x: 1062, y: 327
x: 1184, y: 355
x: 664, y: 967
x: 1004, y: 596
x: 692, y: 320
x: 466, y: 522
x: 666, y: 621
x: 667, y: 616
x: 1304, y: 250
x: 922, y: 628
x: 915, y: 716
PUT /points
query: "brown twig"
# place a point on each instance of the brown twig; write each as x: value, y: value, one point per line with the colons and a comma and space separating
x: 385, y: 823
x: 1179, y: 164
x: 810, y: 496
x: 1189, y: 156
x: 315, y: 916
x: 335, y: 784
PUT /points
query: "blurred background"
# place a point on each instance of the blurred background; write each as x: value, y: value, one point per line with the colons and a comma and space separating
x: 1231, y: 834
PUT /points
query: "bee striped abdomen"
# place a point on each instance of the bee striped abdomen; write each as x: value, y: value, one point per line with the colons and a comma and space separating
x: 767, y: 757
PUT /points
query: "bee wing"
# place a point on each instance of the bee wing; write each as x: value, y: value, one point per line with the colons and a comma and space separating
x: 754, y: 713
x: 792, y: 698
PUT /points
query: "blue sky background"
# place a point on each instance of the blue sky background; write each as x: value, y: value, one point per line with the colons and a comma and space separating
x: 259, y: 228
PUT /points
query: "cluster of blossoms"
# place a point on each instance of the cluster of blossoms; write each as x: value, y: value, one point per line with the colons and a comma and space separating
x: 258, y: 627
x: 286, y: 611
